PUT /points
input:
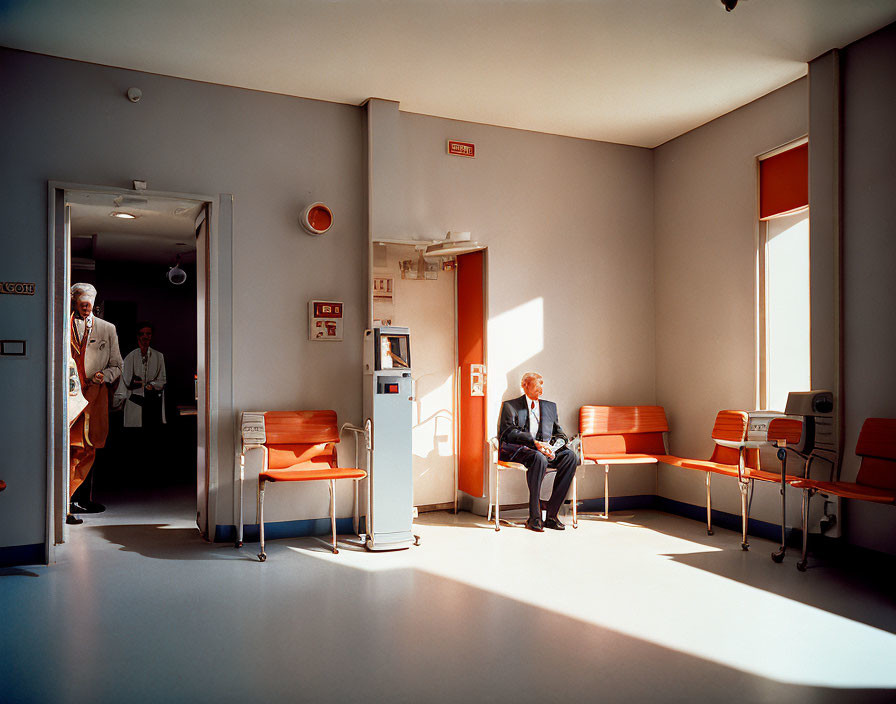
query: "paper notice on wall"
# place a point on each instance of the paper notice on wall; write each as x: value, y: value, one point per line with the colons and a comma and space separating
x: 325, y: 320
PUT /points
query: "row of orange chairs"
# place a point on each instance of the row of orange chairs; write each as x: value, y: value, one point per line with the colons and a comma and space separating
x: 637, y: 434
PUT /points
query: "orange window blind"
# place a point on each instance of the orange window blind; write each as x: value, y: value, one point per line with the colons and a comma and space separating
x: 784, y: 182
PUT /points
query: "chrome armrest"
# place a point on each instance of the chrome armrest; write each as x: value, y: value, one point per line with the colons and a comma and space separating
x: 356, y: 431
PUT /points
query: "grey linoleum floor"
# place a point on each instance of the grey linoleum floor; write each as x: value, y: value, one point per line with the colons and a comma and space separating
x: 639, y: 609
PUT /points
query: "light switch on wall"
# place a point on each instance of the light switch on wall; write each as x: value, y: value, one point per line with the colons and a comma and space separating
x: 12, y: 348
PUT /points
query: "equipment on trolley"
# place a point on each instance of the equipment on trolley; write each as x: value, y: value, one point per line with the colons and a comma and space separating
x: 388, y: 407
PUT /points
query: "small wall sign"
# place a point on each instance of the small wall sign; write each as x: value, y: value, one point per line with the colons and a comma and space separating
x: 17, y: 288
x: 461, y: 148
x: 325, y: 320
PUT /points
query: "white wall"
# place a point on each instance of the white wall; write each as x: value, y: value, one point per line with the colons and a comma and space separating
x: 71, y: 121
x: 869, y: 263
x: 706, y: 239
x: 569, y: 228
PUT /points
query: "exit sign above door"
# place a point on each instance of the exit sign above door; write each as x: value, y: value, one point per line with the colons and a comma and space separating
x: 461, y: 148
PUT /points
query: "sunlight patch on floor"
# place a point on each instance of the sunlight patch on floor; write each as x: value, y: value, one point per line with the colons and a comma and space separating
x: 626, y: 578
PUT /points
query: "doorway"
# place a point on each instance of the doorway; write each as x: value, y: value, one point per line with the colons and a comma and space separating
x: 148, y: 254
x: 441, y: 297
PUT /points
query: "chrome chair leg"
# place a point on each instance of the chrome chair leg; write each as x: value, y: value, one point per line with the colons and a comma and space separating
x: 778, y: 555
x: 575, y: 504
x: 261, y: 555
x: 743, y: 512
x: 497, y: 498
x: 333, y: 513
x: 803, y: 563
x: 606, y: 491
x: 708, y: 505
x: 239, y: 534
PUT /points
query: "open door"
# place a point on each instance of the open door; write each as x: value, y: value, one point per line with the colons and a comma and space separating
x: 203, y: 364
x: 472, y: 457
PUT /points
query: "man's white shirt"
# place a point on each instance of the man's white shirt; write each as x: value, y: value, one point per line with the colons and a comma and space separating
x: 534, y: 415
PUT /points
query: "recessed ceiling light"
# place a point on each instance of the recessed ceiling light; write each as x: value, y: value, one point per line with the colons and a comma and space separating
x: 123, y: 215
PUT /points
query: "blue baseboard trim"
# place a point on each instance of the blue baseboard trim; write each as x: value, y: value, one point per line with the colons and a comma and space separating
x: 720, y: 519
x: 285, y: 529
x: 321, y: 526
x: 619, y: 503
x: 16, y: 555
x: 729, y: 521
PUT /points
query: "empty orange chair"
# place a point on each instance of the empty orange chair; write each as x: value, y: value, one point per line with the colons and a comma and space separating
x: 614, y: 435
x: 729, y: 427
x: 300, y: 446
x: 876, y: 480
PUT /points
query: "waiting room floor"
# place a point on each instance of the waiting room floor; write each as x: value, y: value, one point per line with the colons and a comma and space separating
x: 639, y: 609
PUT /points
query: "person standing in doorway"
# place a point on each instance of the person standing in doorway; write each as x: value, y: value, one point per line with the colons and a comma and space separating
x: 94, y: 348
x: 143, y: 384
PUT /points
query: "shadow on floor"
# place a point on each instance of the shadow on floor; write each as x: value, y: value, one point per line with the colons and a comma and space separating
x: 16, y: 572
x: 823, y: 585
x: 162, y: 542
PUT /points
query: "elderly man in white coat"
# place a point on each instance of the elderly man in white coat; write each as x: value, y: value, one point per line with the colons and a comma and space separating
x: 94, y: 348
x: 143, y: 383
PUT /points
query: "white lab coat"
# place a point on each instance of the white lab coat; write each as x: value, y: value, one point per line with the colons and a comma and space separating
x: 152, y: 372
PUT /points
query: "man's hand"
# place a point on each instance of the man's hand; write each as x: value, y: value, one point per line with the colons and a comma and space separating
x: 98, y: 378
x: 544, y: 449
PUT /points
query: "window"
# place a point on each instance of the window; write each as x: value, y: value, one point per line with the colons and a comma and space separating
x: 787, y: 307
x: 784, y: 338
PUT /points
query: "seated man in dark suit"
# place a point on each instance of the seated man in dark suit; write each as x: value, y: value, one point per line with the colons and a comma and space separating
x: 525, y: 431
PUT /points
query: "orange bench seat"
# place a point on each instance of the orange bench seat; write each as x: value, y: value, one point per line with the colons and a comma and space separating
x: 311, y: 475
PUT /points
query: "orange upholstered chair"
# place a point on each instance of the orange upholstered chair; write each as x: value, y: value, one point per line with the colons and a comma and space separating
x: 621, y: 435
x: 300, y: 446
x: 876, y: 480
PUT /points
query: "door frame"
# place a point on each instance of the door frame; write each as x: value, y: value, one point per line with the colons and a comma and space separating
x: 216, y: 279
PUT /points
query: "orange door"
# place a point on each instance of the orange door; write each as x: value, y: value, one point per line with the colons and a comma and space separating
x: 471, y: 445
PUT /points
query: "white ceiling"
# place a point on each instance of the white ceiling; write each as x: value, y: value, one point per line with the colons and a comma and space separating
x: 629, y: 71
x: 162, y: 229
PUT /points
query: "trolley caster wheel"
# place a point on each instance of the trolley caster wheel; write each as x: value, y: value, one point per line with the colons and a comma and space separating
x: 801, y: 565
x: 744, y: 546
x: 416, y: 540
x: 262, y: 557
x: 778, y: 556
x: 710, y: 531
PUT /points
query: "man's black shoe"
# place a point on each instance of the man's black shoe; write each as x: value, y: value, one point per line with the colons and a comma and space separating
x: 93, y: 507
x: 75, y: 507
x: 73, y: 520
x: 554, y: 524
x: 535, y: 524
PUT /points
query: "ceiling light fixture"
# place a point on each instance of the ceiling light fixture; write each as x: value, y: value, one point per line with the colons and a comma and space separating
x: 176, y: 275
x: 123, y: 215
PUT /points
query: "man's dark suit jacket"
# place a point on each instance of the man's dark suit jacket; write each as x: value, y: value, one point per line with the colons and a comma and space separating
x: 513, y: 426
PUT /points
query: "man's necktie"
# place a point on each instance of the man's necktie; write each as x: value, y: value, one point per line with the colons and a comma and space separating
x: 533, y: 419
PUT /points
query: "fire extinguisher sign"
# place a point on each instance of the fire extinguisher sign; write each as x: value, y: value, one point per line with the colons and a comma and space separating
x: 325, y: 320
